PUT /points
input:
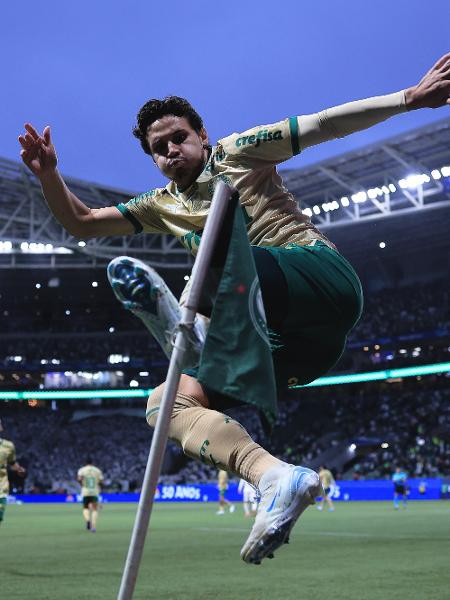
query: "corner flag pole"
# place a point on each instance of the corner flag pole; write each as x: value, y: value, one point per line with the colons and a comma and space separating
x: 222, y: 195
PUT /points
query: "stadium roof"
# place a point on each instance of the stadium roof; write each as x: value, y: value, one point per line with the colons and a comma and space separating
x: 408, y: 172
x: 399, y: 176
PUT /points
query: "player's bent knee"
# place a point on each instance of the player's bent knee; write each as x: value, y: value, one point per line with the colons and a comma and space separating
x: 153, y: 404
x: 182, y: 402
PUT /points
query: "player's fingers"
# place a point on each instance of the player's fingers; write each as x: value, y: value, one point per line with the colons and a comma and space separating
x: 441, y: 62
x: 47, y: 135
x: 31, y: 130
x: 22, y: 142
x: 29, y: 139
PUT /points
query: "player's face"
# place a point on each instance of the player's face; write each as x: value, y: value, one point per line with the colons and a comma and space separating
x: 177, y: 149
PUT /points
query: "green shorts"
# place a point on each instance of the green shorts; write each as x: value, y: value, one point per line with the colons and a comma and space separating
x: 312, y: 299
x: 325, y: 303
x: 89, y: 500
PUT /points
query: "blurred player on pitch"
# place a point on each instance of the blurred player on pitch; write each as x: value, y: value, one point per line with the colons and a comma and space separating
x: 249, y: 498
x: 90, y: 478
x: 399, y: 479
x: 222, y: 486
x: 7, y: 459
x: 328, y: 484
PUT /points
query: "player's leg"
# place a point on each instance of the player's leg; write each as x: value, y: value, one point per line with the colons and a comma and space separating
x: 396, y: 503
x: 142, y: 291
x: 86, y: 512
x: 329, y: 502
x: 405, y: 499
x: 221, y: 510
x: 215, y: 438
x: 2, y: 509
x: 93, y: 506
x: 321, y: 503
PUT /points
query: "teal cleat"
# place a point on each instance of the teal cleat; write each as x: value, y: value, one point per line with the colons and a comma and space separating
x: 142, y: 291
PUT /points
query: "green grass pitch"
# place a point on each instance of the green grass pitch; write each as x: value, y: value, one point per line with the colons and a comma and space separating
x: 363, y: 551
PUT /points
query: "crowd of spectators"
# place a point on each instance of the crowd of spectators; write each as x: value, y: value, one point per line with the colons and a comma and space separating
x: 411, y: 417
x: 398, y: 327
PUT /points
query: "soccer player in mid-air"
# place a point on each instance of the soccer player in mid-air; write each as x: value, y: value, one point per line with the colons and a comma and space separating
x: 90, y: 478
x: 7, y: 459
x: 312, y: 296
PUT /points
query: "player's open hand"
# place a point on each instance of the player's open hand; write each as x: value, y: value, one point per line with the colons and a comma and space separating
x: 433, y: 90
x: 38, y: 152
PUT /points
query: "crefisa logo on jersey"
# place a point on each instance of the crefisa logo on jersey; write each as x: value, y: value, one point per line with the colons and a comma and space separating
x: 256, y: 311
x: 263, y: 135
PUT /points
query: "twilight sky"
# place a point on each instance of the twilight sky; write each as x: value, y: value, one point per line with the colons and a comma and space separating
x: 85, y: 68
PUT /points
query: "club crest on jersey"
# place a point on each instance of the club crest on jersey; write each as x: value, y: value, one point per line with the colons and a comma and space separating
x: 263, y: 135
x: 256, y: 311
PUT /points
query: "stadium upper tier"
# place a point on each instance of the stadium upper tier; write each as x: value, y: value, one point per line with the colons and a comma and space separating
x: 406, y: 175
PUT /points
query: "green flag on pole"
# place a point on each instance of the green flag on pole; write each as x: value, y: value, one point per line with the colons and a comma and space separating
x: 236, y: 359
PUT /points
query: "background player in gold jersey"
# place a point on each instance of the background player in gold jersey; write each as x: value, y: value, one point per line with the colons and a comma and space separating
x: 312, y: 296
x: 328, y: 483
x: 222, y: 485
x: 7, y: 459
x: 90, y: 478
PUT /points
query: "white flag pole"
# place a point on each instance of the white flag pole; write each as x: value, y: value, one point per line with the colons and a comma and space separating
x: 222, y: 195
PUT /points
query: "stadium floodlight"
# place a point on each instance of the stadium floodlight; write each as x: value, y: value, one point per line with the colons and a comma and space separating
x: 352, y: 447
x: 445, y: 171
x: 94, y: 284
x: 436, y: 174
x: 345, y: 201
x: 316, y: 210
x: 385, y: 445
x: 82, y: 244
x: 222, y: 194
x: 382, y: 244
x: 359, y: 197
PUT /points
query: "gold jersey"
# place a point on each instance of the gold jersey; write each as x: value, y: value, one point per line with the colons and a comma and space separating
x: 248, y: 162
x: 326, y: 478
x: 223, y: 480
x: 90, y: 480
x: 7, y: 457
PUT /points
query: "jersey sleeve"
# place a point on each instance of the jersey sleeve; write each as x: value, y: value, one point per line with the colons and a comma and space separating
x: 265, y: 145
x: 142, y: 214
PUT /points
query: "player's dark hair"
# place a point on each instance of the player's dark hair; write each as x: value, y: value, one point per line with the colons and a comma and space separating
x: 155, y: 109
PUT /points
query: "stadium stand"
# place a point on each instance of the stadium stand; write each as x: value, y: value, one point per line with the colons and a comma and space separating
x: 62, y: 326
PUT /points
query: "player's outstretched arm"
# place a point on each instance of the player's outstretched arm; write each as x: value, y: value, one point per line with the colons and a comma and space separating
x: 433, y: 91
x: 38, y: 153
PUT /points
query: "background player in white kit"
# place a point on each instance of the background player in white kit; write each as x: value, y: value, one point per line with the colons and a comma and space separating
x: 249, y: 498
